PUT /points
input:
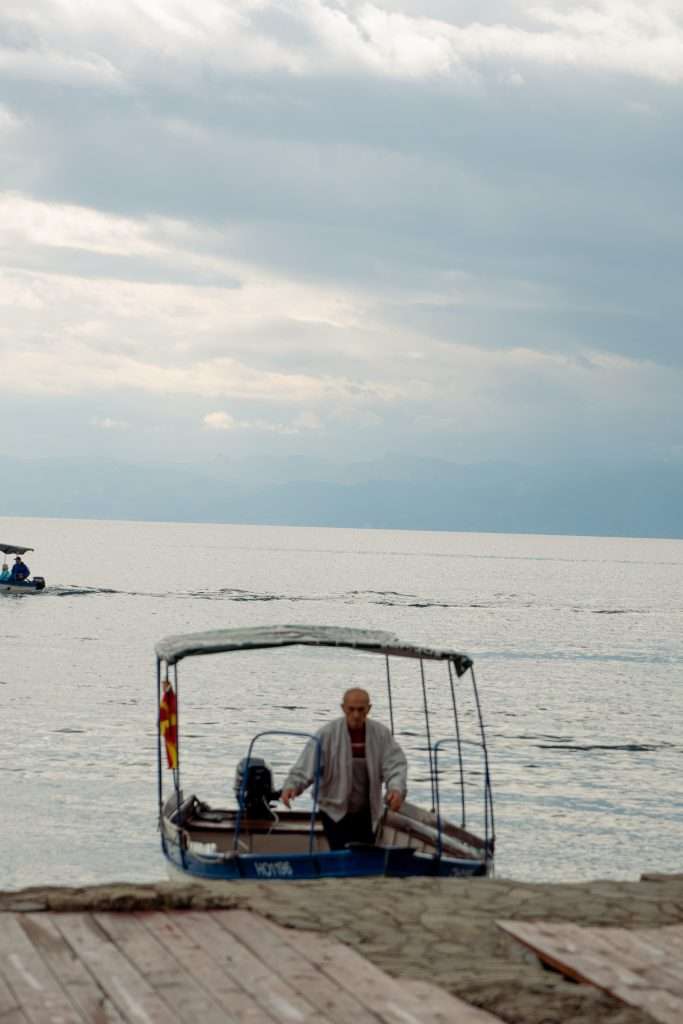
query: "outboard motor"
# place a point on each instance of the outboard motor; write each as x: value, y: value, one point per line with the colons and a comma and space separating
x: 255, y: 794
x: 39, y: 582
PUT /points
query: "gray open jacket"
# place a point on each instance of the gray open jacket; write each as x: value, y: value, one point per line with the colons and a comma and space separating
x: 385, y: 760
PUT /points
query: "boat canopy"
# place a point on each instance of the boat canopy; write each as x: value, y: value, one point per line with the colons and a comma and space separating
x: 173, y: 649
x: 14, y: 549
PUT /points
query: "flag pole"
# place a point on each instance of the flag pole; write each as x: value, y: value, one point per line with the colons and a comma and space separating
x: 160, y: 781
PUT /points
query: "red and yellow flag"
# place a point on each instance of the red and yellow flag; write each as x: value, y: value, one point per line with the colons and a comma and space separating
x: 168, y: 723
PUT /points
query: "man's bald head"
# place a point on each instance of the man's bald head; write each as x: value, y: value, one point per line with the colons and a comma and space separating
x: 356, y: 706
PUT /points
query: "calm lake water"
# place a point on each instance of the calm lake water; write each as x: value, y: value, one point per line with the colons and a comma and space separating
x: 576, y: 641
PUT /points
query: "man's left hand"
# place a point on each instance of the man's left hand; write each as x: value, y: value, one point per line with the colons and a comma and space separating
x: 394, y: 799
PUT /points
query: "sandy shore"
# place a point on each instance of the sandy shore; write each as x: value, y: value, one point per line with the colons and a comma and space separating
x: 440, y: 929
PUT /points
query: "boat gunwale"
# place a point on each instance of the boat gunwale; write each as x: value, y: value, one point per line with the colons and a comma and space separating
x: 416, y: 825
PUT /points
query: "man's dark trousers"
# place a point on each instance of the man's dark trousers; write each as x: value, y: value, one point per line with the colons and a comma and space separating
x: 355, y: 827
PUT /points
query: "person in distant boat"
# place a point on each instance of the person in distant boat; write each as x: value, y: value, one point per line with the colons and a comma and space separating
x: 5, y: 573
x: 358, y: 755
x: 20, y: 571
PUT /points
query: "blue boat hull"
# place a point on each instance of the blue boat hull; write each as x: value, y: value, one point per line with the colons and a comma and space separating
x: 360, y: 862
x: 34, y: 586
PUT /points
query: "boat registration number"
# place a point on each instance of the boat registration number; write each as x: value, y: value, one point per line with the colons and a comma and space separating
x: 274, y: 869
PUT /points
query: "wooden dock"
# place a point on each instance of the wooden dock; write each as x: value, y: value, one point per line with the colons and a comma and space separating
x: 641, y: 967
x: 199, y: 967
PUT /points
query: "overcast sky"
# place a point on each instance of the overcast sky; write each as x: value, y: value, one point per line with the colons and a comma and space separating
x: 341, y: 228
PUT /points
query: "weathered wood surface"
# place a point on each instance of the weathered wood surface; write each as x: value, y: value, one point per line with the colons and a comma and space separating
x: 642, y: 968
x: 356, y: 985
x: 439, y: 930
x: 210, y: 966
x: 449, y: 1007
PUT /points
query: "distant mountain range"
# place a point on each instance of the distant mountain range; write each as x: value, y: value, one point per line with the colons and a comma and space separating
x: 394, y: 493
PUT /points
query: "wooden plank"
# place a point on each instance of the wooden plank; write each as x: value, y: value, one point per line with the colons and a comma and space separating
x: 666, y: 942
x: 451, y: 1007
x: 634, y: 947
x: 631, y: 955
x: 239, y: 1005
x: 670, y: 936
x: 36, y: 990
x: 75, y: 979
x: 269, y: 943
x: 587, y: 955
x: 651, y: 954
x: 132, y: 995
x: 593, y: 955
x: 15, y: 1017
x: 160, y: 968
x: 8, y: 1001
x: 660, y: 1004
x: 668, y: 977
x: 271, y: 992
x: 265, y: 941
x: 565, y: 947
x: 379, y: 993
x: 638, y: 980
x: 641, y: 946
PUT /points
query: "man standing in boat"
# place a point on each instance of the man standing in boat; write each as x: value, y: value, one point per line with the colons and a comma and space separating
x: 358, y: 755
x: 20, y: 571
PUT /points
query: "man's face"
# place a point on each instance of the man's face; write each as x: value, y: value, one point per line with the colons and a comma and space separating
x: 356, y: 708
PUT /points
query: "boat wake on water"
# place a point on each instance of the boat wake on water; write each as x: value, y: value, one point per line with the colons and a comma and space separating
x: 68, y: 590
x: 235, y: 594
x: 224, y: 594
x: 631, y: 748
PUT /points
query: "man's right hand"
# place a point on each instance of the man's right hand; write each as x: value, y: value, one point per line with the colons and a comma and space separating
x: 394, y: 799
x: 288, y: 794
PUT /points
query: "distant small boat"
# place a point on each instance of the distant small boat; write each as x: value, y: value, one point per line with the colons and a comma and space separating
x: 253, y: 841
x: 32, y: 585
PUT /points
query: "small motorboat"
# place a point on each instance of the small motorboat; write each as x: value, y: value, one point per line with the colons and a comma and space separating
x: 30, y: 585
x: 253, y: 840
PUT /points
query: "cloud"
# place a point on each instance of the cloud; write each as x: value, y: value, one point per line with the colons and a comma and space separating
x: 307, y: 421
x: 119, y: 48
x: 76, y: 368
x: 223, y: 421
x: 59, y: 68
x: 71, y: 336
x: 220, y: 421
x: 107, y: 423
x: 353, y: 225
x: 9, y: 122
x: 27, y: 222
